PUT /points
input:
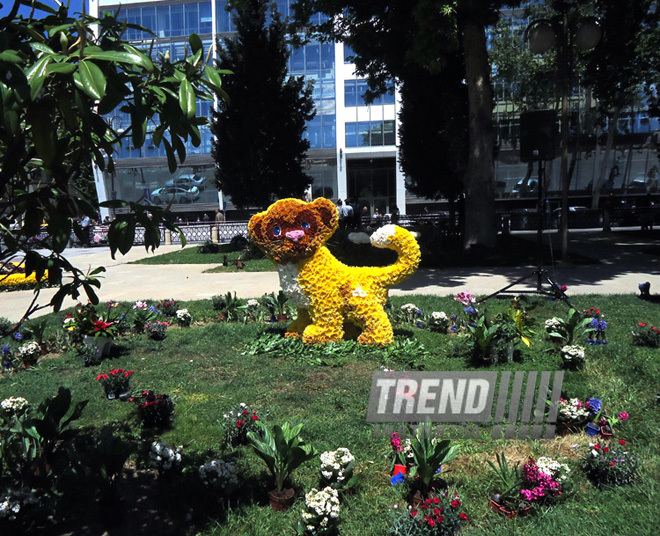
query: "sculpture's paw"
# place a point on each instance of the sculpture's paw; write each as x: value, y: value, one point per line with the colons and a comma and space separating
x: 316, y: 335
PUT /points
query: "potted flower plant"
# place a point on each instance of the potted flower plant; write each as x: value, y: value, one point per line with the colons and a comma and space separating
x: 438, y: 322
x: 283, y: 451
x: 572, y: 415
x: 155, y: 330
x: 402, y: 454
x: 320, y: 515
x: 573, y: 356
x: 29, y: 353
x: 337, y: 468
x: 646, y: 335
x: 220, y: 477
x: 610, y: 464
x: 429, y: 455
x: 277, y: 306
x: 95, y: 330
x: 7, y: 360
x: 155, y: 411
x: 116, y: 383
x: 507, y: 501
x: 439, y: 514
x: 237, y: 422
x: 183, y: 318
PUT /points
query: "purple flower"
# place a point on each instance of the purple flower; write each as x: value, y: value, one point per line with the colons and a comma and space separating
x: 594, y: 405
x: 6, y: 349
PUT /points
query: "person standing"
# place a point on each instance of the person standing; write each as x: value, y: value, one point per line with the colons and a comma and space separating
x: 219, y: 216
x: 85, y: 226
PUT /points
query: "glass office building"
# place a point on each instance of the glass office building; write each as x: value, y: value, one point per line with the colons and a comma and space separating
x: 353, y: 151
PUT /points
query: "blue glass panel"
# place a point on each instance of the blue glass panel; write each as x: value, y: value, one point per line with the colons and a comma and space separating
x: 326, y: 106
x: 315, y: 136
x: 312, y: 58
x: 351, y: 135
x: 348, y: 54
x: 350, y: 93
x: 163, y: 21
x: 329, y: 132
x: 148, y: 20
x: 361, y: 90
x: 327, y: 56
x: 297, y: 60
x: 283, y: 8
x: 389, y: 137
x: 176, y: 19
x: 376, y: 133
x: 363, y: 134
x: 205, y: 18
x: 133, y: 16
x: 327, y: 88
x: 192, y: 18
x: 223, y: 17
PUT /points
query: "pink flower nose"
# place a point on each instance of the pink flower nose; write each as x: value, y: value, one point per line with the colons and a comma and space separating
x: 295, y: 235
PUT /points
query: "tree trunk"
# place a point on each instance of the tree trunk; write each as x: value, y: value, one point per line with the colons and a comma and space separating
x: 480, y: 228
x: 598, y: 185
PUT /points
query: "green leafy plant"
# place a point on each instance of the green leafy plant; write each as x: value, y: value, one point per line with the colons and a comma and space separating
x: 564, y: 331
x: 277, y: 305
x: 611, y: 464
x: 646, y: 335
x: 155, y: 411
x: 156, y: 330
x: 228, y: 306
x: 282, y: 450
x: 508, y: 481
x: 429, y: 453
x: 484, y: 335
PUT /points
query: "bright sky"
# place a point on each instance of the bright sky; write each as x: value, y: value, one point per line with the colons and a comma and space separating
x: 74, y: 7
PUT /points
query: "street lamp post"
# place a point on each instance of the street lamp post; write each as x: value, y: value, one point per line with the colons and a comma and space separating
x: 563, y: 33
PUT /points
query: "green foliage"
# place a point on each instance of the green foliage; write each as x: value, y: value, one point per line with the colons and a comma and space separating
x: 616, y: 467
x: 429, y: 454
x: 268, y: 163
x: 564, y: 331
x: 483, y: 333
x: 277, y: 305
x: 646, y: 336
x: 228, y: 306
x: 282, y: 450
x: 61, y: 82
x: 509, y: 479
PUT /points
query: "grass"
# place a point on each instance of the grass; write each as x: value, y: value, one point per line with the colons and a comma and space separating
x: 207, y: 369
x: 190, y: 255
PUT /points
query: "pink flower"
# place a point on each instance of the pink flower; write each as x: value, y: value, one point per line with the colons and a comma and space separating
x: 623, y: 416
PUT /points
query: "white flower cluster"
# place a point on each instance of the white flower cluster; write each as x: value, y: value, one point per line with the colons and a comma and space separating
x: 163, y: 457
x: 140, y: 305
x: 573, y: 354
x: 252, y: 303
x: 439, y: 320
x: 553, y: 324
x: 409, y: 308
x: 558, y: 471
x: 219, y: 474
x: 334, y: 464
x: 12, y: 502
x: 15, y: 405
x: 31, y: 349
x: 321, y: 510
x: 573, y: 410
x: 183, y: 316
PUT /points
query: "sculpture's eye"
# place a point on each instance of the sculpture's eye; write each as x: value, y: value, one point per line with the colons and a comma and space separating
x: 277, y: 230
x: 305, y: 225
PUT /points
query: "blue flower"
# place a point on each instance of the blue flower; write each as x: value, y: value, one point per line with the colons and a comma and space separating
x: 6, y: 349
x: 602, y: 325
x: 453, y: 328
x: 439, y: 469
x: 595, y: 405
x: 604, y: 342
x: 153, y: 309
x: 453, y: 317
x: 594, y: 323
x: 397, y: 479
x: 419, y: 312
x: 590, y: 341
x: 18, y: 336
x: 419, y: 324
x: 470, y: 310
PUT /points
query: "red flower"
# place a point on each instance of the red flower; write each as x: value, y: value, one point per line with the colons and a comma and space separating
x: 622, y: 442
x: 611, y: 464
x: 597, y: 447
x: 606, y: 449
x: 436, y: 500
x: 463, y: 516
x: 455, y: 503
x: 441, y: 519
x: 245, y: 412
x: 431, y: 523
x: 436, y: 512
x: 254, y: 417
x: 413, y: 513
x: 239, y: 424
x: 642, y: 324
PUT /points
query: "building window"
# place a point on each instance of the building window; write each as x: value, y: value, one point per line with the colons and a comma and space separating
x: 348, y: 54
x: 355, y: 91
x: 370, y: 134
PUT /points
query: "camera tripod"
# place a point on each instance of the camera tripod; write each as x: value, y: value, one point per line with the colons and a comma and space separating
x: 541, y: 275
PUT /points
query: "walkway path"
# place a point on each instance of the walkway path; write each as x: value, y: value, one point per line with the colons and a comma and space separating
x: 624, y: 265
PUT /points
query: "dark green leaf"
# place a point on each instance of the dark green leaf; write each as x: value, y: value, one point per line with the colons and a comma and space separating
x: 62, y: 68
x: 195, y: 43
x: 93, y: 79
x: 121, y: 235
x: 36, y: 76
x: 171, y: 159
x: 187, y: 99
x: 10, y: 56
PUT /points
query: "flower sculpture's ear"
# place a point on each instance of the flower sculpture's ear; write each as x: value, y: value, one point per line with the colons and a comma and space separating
x: 327, y: 212
x: 256, y: 229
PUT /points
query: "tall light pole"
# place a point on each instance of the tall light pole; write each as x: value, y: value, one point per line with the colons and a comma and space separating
x: 563, y: 33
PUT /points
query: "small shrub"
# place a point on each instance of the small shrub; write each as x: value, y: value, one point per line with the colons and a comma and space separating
x: 646, y: 335
x: 88, y: 355
x: 155, y: 330
x: 155, y: 411
x: 610, y: 465
x: 6, y: 326
x: 168, y: 307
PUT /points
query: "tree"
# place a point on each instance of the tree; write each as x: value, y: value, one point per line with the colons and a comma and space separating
x: 618, y: 66
x: 59, y: 78
x: 259, y: 146
x: 388, y: 36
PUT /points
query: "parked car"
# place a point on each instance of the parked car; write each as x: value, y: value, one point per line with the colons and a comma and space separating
x: 526, y: 187
x: 188, y: 181
x: 173, y: 194
x: 643, y: 185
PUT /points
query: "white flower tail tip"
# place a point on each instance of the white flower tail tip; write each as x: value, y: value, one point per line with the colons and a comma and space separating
x: 383, y: 237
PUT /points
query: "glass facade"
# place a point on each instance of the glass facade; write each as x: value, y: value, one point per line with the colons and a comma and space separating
x: 370, y: 133
x: 355, y: 90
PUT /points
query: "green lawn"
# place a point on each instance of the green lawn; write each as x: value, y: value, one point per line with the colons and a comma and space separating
x: 207, y: 368
x: 190, y: 255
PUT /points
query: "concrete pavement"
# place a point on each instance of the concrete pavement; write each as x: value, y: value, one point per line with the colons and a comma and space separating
x: 627, y: 259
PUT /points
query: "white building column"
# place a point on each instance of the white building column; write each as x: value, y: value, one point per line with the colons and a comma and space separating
x: 340, y: 127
